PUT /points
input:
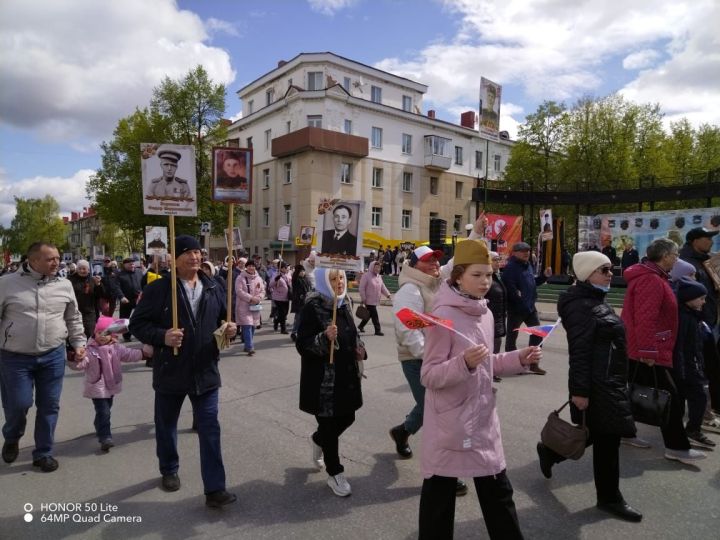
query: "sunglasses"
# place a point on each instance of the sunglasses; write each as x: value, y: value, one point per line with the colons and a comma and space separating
x: 605, y: 270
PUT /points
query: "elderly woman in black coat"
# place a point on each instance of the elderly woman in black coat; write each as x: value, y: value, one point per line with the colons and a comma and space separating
x: 597, y: 378
x: 330, y: 392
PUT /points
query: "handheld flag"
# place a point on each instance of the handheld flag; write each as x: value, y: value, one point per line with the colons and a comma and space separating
x: 542, y: 331
x: 415, y: 321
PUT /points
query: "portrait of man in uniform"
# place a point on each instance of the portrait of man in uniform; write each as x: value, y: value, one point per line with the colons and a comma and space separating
x: 169, y: 186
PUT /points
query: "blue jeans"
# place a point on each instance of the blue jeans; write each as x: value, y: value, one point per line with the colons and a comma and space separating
x: 411, y: 370
x: 102, y: 418
x: 19, y: 374
x: 248, y: 331
x: 205, y: 413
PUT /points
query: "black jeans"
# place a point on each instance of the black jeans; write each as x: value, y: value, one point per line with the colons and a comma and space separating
x: 514, y: 321
x: 673, y: 433
x: 102, y: 418
x: 281, y: 311
x: 694, y: 394
x: 327, y: 437
x: 374, y: 316
x: 437, y: 507
x: 711, y: 356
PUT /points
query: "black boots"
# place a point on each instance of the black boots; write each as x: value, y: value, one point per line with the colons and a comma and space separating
x: 400, y: 435
x: 546, y: 461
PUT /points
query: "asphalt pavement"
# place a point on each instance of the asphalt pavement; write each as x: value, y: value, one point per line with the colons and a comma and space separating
x: 281, y: 496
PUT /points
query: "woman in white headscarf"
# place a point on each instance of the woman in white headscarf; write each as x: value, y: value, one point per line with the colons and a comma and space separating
x: 330, y: 392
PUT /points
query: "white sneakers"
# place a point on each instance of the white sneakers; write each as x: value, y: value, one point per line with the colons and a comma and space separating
x: 339, y: 485
x: 317, y: 455
x: 689, y: 457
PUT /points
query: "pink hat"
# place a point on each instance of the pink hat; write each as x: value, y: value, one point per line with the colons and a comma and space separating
x: 102, y: 323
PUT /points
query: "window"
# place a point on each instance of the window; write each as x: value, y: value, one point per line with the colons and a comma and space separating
x: 457, y: 222
x: 266, y: 178
x: 315, y: 80
x: 347, y: 127
x: 434, y: 185
x: 407, y: 182
x: 346, y: 84
x: 377, y: 178
x: 458, y: 155
x: 458, y: 190
x: 497, y: 162
x: 376, y: 137
x: 406, y: 143
x: 407, y: 103
x: 268, y: 138
x: 437, y: 146
x: 288, y: 172
x: 251, y: 106
x: 345, y: 170
x: 269, y: 96
x: 288, y: 213
x: 434, y: 215
x: 406, y: 219
x: 287, y: 126
x: 249, y: 142
x: 266, y: 217
x: 247, y: 219
x: 478, y: 159
x: 314, y: 120
x: 376, y: 216
x: 376, y: 94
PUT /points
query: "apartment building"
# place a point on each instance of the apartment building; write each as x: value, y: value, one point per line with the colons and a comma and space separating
x: 321, y: 125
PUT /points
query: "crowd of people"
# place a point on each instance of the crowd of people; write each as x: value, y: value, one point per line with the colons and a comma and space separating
x: 666, y: 337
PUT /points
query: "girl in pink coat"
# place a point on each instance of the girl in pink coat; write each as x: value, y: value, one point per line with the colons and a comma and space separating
x: 250, y: 290
x: 103, y: 374
x: 461, y: 430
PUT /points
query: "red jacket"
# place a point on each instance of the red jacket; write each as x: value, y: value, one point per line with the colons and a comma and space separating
x: 650, y: 314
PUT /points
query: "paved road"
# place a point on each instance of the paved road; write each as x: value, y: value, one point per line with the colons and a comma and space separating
x: 281, y: 496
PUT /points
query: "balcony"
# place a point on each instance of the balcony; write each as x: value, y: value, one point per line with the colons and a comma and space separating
x: 437, y: 152
x: 321, y: 140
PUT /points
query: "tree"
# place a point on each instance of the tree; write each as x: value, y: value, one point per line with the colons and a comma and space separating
x: 35, y: 220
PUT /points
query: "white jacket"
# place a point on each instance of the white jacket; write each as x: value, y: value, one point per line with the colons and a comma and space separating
x: 416, y: 292
x: 37, y: 313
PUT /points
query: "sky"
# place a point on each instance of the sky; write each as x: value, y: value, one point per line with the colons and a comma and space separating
x: 70, y: 69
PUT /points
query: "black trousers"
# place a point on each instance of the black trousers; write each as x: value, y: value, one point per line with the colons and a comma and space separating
x: 437, y: 507
x: 281, y: 311
x: 673, y: 433
x: 374, y: 316
x: 125, y: 311
x: 711, y: 356
x: 606, y: 466
x: 514, y: 321
x: 327, y: 437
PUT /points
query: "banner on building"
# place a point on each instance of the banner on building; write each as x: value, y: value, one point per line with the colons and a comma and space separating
x: 503, y: 231
x: 641, y: 228
x: 168, y: 179
x: 490, y: 94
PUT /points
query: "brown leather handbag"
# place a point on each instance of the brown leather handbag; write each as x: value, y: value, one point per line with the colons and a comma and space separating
x: 565, y: 438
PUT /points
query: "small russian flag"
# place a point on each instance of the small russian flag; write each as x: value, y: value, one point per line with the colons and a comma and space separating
x: 542, y: 331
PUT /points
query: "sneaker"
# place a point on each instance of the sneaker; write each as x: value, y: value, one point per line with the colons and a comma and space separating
x: 251, y: 353
x: 46, y: 464
x: 170, y: 482
x: 712, y: 425
x: 317, y: 455
x: 339, y: 485
x: 700, y: 440
x: 637, y: 442
x: 106, y: 445
x: 217, y: 499
x: 10, y: 451
x: 689, y: 457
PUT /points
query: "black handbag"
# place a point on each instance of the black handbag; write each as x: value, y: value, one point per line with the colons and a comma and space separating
x: 650, y: 405
x: 565, y: 438
x: 362, y: 312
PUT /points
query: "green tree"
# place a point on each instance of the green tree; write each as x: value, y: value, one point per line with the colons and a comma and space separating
x: 35, y: 220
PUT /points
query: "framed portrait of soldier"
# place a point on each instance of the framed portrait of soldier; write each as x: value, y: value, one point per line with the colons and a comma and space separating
x: 232, y: 175
x: 236, y: 238
x: 306, y: 234
x: 156, y: 240
x: 340, y: 238
x: 168, y: 179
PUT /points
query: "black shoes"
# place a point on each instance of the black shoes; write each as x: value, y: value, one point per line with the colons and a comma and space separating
x: 217, y: 499
x: 496, y: 378
x: 293, y: 336
x: 461, y: 488
x: 10, y: 451
x: 537, y: 370
x: 46, y: 464
x: 379, y: 334
x: 546, y: 462
x: 170, y: 482
x: 106, y: 445
x: 622, y: 510
x: 400, y: 435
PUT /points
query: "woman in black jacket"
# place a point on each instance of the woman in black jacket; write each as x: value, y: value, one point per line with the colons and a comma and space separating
x: 300, y: 288
x: 331, y: 392
x: 597, y: 378
x: 497, y: 302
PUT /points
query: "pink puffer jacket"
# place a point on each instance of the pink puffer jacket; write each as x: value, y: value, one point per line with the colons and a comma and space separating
x: 103, y: 372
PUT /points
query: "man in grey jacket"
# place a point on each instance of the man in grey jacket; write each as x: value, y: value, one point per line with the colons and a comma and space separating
x: 38, y: 311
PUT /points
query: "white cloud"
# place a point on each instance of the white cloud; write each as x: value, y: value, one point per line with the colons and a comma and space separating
x: 564, y: 50
x: 640, y: 59
x: 330, y: 7
x: 235, y: 117
x: 218, y: 25
x: 72, y: 68
x: 68, y: 192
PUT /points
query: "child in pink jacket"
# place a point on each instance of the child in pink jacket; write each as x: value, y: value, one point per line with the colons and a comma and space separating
x: 103, y: 374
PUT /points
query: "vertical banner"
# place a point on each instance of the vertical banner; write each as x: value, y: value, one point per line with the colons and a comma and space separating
x: 490, y: 97
x: 168, y: 178
x: 546, y: 224
x: 503, y: 231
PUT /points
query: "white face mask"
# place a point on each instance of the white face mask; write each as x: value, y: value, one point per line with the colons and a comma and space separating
x: 604, y: 288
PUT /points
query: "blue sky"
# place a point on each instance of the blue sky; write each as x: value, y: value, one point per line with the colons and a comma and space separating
x: 71, y: 68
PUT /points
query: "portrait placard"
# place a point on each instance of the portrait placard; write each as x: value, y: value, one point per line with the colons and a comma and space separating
x: 546, y: 224
x: 168, y: 179
x: 156, y: 240
x: 306, y: 235
x: 237, y: 238
x: 232, y: 175
x: 342, y: 226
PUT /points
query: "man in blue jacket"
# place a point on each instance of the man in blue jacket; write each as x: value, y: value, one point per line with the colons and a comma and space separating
x: 521, y: 284
x: 193, y: 372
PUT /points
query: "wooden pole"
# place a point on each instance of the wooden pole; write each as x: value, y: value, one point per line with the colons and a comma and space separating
x: 230, y: 285
x: 173, y: 279
x: 334, y: 316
